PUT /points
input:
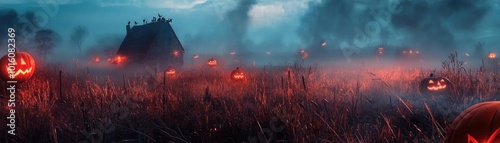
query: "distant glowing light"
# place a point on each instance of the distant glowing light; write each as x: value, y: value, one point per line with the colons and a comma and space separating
x: 119, y: 59
x: 175, y: 53
x: 195, y: 56
x: 323, y: 44
x: 492, y: 55
x: 212, y: 62
x: 268, y: 53
x: 380, y: 50
x: 304, y: 54
x: 232, y: 53
x: 467, y: 54
x: 96, y: 59
x: 170, y: 71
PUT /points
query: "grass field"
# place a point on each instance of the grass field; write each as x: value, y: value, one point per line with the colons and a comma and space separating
x: 282, y: 103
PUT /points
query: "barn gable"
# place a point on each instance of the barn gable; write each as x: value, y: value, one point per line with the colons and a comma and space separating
x: 152, y: 43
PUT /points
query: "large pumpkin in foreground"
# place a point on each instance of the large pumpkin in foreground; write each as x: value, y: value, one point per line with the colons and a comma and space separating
x: 23, y: 70
x: 238, y: 75
x: 477, y: 124
x: 435, y: 85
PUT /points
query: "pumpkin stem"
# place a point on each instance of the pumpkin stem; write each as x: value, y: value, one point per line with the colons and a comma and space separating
x: 237, y: 67
x: 432, y: 75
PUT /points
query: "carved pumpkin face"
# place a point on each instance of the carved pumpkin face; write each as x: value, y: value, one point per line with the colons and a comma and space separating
x: 440, y: 85
x: 212, y: 62
x: 237, y: 75
x: 170, y: 71
x: 22, y: 71
x: 479, y: 123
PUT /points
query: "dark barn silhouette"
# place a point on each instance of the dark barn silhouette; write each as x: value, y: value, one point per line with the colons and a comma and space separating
x: 154, y: 44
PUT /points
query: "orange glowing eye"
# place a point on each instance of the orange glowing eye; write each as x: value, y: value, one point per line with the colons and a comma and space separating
x: 23, y: 62
x: 442, y: 80
x: 430, y: 81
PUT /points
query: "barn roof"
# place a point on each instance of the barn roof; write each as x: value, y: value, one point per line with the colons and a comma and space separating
x: 152, y: 40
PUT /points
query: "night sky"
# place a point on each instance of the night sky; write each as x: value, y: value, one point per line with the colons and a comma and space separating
x: 277, y: 26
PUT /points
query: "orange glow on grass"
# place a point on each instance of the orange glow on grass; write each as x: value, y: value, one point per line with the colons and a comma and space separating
x: 170, y: 71
x: 118, y: 59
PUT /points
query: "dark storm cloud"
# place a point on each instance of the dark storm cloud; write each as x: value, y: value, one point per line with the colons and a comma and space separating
x: 8, y: 18
x: 433, y: 24
x: 226, y: 35
x: 106, y: 45
x: 430, y: 25
x: 330, y: 20
x: 22, y: 23
x: 238, y: 21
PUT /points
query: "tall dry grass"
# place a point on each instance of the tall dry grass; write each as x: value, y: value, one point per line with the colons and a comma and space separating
x: 282, y: 103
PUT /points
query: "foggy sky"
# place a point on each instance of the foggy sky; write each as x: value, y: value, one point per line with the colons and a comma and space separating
x: 252, y: 27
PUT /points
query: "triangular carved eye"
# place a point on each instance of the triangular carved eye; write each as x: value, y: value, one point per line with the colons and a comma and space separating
x: 442, y: 80
x: 431, y: 81
x: 23, y: 62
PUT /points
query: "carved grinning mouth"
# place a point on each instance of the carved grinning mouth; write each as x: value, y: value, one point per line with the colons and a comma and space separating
x: 20, y: 71
x: 471, y: 139
x: 238, y: 76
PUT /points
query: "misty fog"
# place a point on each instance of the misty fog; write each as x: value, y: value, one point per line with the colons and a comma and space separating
x: 274, y: 32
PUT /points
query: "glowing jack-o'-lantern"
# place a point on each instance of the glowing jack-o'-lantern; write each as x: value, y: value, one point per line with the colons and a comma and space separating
x: 118, y: 59
x: 170, y: 72
x: 212, y: 62
x: 238, y: 75
x: 479, y: 123
x: 438, y: 85
x: 492, y: 55
x: 21, y: 71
